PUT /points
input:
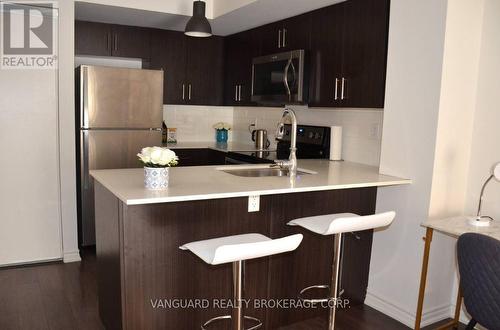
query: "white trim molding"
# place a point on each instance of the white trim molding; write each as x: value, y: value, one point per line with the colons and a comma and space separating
x: 71, y: 256
x: 429, y: 316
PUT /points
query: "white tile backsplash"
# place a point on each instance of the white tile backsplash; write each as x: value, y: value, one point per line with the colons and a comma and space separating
x: 194, y: 123
x: 362, y: 128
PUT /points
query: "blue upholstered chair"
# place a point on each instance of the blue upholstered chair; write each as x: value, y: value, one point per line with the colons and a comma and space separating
x: 479, y: 266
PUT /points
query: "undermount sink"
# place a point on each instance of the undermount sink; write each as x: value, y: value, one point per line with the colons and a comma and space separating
x: 263, y: 172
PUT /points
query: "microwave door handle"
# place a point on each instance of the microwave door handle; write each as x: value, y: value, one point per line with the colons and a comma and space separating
x: 285, y: 79
x: 294, y: 83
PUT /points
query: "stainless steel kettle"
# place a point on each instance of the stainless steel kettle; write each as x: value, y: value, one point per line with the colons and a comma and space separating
x: 259, y: 136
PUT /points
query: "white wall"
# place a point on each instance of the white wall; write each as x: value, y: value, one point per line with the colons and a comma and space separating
x: 179, y: 7
x: 484, y: 144
x: 67, y: 131
x: 454, y: 135
x: 30, y: 210
x: 457, y: 107
x: 486, y: 135
x: 415, y: 58
x: 221, y: 7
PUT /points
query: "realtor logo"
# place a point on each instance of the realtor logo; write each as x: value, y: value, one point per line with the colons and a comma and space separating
x: 28, y: 35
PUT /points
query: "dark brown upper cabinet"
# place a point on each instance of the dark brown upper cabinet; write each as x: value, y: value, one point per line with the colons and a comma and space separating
x: 131, y: 41
x: 168, y: 52
x: 205, y: 70
x: 271, y: 37
x: 240, y: 49
x: 325, y: 56
x: 349, y: 54
x: 193, y: 67
x: 92, y: 38
x: 289, y: 34
x: 101, y: 39
x: 365, y: 52
x: 296, y: 32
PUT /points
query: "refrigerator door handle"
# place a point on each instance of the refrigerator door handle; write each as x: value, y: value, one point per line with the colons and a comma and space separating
x: 85, y: 158
x: 84, y: 117
x: 121, y: 129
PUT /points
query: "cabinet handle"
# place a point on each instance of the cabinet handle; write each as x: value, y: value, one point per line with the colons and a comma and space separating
x: 342, y: 93
x: 355, y: 236
x: 236, y: 92
x: 189, y: 91
x: 239, y: 94
x: 116, y: 41
x: 183, y: 91
x: 336, y: 94
x: 108, y: 41
x: 284, y: 38
x: 279, y: 38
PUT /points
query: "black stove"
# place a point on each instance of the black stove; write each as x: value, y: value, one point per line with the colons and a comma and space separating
x: 251, y: 157
x: 313, y: 142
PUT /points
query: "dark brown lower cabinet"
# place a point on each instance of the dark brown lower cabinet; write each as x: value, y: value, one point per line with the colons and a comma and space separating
x: 140, y: 266
x: 200, y: 157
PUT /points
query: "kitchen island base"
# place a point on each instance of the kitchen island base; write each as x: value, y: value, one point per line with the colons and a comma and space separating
x: 146, y: 282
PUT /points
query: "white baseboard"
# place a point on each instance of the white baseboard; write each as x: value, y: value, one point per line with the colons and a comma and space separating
x: 437, y: 314
x: 464, y: 317
x: 73, y: 256
x: 408, y: 317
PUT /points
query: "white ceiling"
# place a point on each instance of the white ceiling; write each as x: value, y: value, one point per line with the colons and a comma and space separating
x: 251, y: 14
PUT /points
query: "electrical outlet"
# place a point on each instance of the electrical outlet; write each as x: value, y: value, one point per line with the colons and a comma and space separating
x: 253, y: 203
x: 375, y: 131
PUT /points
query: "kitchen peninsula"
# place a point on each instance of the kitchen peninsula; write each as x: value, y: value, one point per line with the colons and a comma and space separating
x: 139, y: 233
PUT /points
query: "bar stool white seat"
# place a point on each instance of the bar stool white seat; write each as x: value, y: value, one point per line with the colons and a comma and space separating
x: 338, y: 224
x: 236, y: 249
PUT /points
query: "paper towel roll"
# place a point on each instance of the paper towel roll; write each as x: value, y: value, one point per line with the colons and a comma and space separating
x: 336, y: 143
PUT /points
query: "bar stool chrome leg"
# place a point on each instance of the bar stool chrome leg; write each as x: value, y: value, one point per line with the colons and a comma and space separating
x: 238, y: 271
x: 335, y: 280
x: 333, y: 287
x: 237, y: 318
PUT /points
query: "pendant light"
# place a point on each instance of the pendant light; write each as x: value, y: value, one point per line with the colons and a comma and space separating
x: 198, y: 25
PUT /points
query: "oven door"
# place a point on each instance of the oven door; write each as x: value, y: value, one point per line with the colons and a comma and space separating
x: 279, y: 78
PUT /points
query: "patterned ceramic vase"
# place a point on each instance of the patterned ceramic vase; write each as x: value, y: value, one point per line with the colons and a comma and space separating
x: 156, y: 178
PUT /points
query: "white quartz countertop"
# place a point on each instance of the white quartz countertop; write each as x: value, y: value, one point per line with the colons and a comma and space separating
x: 224, y: 147
x: 209, y: 182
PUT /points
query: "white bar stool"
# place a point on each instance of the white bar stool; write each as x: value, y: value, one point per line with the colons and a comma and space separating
x: 338, y: 224
x: 237, y: 249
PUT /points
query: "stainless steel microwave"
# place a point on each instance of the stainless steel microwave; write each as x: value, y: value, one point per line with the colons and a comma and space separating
x: 279, y: 78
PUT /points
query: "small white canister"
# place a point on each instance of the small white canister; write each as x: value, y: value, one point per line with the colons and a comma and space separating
x: 156, y: 178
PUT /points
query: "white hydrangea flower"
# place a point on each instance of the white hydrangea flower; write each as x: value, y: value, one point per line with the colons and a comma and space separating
x: 158, y: 157
x: 222, y: 125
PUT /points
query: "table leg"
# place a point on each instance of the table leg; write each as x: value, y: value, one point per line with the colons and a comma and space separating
x: 423, y: 277
x: 458, y: 306
x: 453, y: 324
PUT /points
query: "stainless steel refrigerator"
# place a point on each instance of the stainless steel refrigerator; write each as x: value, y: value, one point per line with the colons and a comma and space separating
x: 119, y: 111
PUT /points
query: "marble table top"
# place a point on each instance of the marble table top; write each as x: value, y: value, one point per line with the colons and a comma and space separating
x: 457, y: 226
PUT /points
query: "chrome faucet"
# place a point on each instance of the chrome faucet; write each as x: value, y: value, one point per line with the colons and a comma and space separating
x: 291, y: 163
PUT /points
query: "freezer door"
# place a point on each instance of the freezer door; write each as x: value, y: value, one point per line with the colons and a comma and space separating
x: 106, y: 150
x: 120, y: 97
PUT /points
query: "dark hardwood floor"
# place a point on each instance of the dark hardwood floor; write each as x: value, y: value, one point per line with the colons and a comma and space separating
x: 64, y: 296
